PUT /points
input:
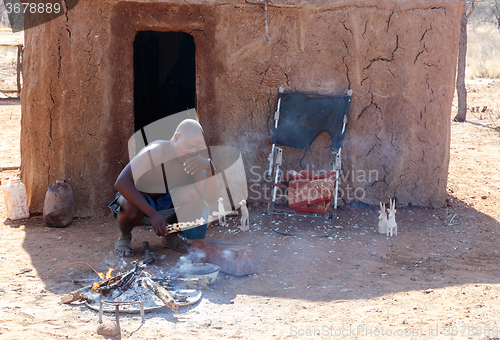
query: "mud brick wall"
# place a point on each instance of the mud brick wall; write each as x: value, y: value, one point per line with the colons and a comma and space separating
x: 399, y: 58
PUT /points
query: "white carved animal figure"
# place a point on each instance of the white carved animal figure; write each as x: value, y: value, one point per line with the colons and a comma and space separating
x: 245, y: 223
x: 382, y: 220
x: 222, y: 212
x: 392, y: 227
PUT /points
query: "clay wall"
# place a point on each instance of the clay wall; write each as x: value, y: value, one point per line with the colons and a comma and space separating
x: 399, y: 58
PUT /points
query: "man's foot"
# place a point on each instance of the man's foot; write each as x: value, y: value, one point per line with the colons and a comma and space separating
x: 123, y: 247
x: 173, y: 241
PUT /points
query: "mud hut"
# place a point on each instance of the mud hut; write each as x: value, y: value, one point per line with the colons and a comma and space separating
x: 96, y: 74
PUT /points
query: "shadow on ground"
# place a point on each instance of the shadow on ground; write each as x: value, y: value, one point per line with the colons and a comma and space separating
x: 434, y: 248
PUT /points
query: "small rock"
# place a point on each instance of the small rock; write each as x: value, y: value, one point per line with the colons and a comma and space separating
x: 346, y: 290
x: 484, y: 197
x: 108, y: 328
x: 427, y: 291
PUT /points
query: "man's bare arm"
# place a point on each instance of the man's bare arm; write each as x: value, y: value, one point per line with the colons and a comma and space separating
x: 206, y: 184
x: 126, y: 187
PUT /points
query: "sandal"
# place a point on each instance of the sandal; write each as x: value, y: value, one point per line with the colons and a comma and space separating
x: 123, y: 247
x: 173, y: 241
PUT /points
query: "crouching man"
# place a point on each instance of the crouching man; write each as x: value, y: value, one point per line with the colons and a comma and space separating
x: 166, y: 182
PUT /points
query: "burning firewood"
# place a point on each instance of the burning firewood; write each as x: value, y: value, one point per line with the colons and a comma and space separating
x: 165, y: 282
x: 162, y: 294
x: 122, y: 281
x: 105, y: 287
x: 77, y: 295
x: 113, y: 286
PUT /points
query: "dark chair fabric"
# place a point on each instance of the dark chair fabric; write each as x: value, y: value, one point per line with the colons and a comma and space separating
x: 303, y: 117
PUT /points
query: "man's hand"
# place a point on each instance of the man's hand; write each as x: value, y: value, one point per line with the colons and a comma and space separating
x: 158, y: 223
x: 193, y: 164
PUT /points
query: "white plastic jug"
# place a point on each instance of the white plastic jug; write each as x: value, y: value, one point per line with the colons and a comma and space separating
x: 16, y: 200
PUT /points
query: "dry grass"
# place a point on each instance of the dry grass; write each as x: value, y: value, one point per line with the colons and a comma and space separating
x: 483, y: 49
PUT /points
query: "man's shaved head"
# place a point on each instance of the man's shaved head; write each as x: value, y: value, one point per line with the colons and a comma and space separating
x: 188, y: 140
x: 189, y: 126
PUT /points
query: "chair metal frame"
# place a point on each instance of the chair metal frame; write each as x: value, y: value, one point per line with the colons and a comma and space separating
x: 275, y: 171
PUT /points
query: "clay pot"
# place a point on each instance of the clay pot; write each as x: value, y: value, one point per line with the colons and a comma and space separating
x: 58, y: 208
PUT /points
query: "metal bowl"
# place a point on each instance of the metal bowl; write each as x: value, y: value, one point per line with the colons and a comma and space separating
x: 206, y: 271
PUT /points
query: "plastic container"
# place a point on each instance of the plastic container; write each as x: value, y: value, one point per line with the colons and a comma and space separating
x: 16, y: 200
x: 58, y: 207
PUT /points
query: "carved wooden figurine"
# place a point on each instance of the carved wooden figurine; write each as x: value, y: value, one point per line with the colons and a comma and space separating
x: 222, y: 212
x: 392, y: 227
x: 245, y: 222
x: 382, y: 220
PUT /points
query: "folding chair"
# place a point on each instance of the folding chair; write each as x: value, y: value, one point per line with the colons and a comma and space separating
x: 299, y: 119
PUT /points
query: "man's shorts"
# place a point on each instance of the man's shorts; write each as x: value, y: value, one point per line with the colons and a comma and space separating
x: 165, y: 207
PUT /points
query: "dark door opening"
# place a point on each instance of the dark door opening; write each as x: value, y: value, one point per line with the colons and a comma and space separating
x: 164, y: 75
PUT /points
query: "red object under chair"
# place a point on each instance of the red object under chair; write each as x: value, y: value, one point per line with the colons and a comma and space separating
x: 310, y: 192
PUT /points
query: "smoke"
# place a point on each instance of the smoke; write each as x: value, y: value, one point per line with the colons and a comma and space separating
x: 185, y: 262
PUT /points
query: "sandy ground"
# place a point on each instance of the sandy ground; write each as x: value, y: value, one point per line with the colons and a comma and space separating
x: 438, y: 277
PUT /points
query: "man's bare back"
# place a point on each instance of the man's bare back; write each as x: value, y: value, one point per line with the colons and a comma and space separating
x: 152, y: 181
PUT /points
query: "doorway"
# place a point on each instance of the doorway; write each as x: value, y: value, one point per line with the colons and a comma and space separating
x: 164, y: 75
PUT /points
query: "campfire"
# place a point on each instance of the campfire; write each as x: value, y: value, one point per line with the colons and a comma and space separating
x: 138, y: 286
x: 108, y: 274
